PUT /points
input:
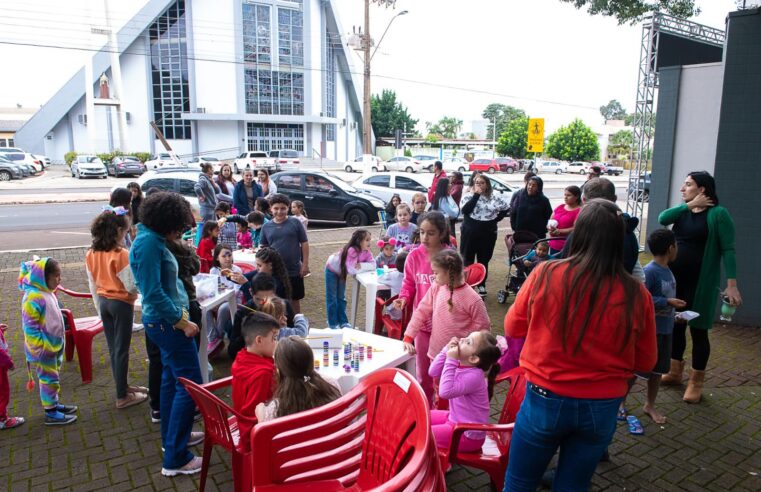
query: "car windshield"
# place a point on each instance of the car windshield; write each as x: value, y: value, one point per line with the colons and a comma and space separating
x: 16, y: 157
x: 341, y: 183
x: 211, y: 159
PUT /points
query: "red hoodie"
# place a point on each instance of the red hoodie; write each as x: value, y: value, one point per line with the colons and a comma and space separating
x: 600, y: 368
x: 253, y: 380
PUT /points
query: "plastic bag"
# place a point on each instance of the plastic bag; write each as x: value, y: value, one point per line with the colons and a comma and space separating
x: 206, y: 285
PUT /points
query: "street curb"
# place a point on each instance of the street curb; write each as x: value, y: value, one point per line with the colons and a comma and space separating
x: 53, y: 201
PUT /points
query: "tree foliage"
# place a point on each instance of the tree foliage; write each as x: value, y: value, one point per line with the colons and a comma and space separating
x: 633, y: 10
x: 621, y: 143
x: 503, y: 113
x: 613, y: 110
x: 575, y: 142
x: 388, y: 114
x: 514, y: 138
x: 446, y: 127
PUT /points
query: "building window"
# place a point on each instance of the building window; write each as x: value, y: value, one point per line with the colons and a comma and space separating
x: 169, y: 72
x: 330, y: 81
x: 256, y: 33
x: 270, y: 136
x: 6, y: 142
x: 270, y: 92
x: 290, y: 26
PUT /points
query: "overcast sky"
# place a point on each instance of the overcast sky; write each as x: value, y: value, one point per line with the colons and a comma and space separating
x: 543, y: 56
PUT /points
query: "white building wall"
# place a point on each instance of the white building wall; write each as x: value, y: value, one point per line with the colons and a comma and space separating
x: 137, y: 99
x: 218, y: 138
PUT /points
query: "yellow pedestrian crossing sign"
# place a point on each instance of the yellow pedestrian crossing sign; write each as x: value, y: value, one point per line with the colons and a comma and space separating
x: 535, y: 135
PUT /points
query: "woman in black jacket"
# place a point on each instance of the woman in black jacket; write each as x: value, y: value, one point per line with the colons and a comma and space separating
x: 532, y: 211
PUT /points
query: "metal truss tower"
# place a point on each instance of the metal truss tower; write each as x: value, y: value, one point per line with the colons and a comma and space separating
x: 647, y: 86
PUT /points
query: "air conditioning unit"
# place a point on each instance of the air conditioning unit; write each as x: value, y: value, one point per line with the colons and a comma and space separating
x: 82, y: 119
x: 128, y: 117
x: 49, y: 136
x: 200, y: 110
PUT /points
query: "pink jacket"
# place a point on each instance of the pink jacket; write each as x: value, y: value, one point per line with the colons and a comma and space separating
x: 353, y: 259
x: 468, y: 314
x: 418, y: 276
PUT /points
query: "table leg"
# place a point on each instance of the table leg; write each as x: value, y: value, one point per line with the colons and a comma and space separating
x: 354, y: 302
x: 203, y: 354
x: 371, y: 292
x: 410, y: 367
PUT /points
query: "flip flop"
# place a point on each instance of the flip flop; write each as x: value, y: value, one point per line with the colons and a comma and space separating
x: 635, y: 427
x: 137, y: 389
x: 621, y: 415
x: 132, y: 399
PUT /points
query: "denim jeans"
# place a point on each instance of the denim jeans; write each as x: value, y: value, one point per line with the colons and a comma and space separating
x: 581, y: 428
x: 335, y: 299
x: 179, y: 357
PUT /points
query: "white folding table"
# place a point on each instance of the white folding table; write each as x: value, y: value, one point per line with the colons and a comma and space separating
x: 369, y: 280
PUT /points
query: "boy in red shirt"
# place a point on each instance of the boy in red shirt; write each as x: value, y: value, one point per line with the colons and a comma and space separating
x: 254, y: 368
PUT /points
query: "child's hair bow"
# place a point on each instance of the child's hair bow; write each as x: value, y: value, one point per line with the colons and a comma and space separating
x: 115, y: 210
x: 384, y: 242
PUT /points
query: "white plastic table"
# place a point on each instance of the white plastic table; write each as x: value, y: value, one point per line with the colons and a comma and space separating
x: 387, y: 352
x: 369, y: 280
x: 247, y: 256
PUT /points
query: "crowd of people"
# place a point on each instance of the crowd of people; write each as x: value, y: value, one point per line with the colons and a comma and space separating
x: 586, y: 320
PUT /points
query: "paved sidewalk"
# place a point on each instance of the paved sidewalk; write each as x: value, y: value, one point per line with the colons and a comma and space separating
x: 714, y: 446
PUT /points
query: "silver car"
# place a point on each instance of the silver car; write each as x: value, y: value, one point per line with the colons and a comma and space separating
x: 87, y: 166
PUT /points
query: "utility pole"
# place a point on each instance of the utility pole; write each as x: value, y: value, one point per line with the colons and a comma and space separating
x: 366, y: 120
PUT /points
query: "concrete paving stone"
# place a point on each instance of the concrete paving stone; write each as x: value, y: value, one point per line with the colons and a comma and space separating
x: 19, y: 486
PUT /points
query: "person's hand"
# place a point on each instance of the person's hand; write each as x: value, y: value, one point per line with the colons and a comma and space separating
x: 238, y: 278
x: 409, y: 348
x: 700, y: 201
x: 733, y: 295
x: 304, y: 271
x: 676, y: 303
x: 453, y: 349
x: 399, y: 304
x: 188, y: 327
x: 201, y: 199
x: 526, y: 263
x: 221, y: 221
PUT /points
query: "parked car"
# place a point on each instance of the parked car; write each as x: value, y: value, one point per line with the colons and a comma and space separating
x: 356, y: 165
x: 6, y: 150
x: 578, y: 168
x: 164, y: 159
x: 125, y: 165
x: 404, y: 163
x: 327, y: 197
x: 254, y: 160
x: 642, y: 191
x: 613, y: 170
x: 26, y: 169
x: 9, y: 170
x: 285, y: 157
x: 426, y: 160
x: 85, y: 166
x: 503, y: 164
x: 195, y: 163
x: 498, y: 185
x: 44, y: 160
x: 27, y: 159
x: 556, y: 167
x: 456, y: 164
x: 177, y: 180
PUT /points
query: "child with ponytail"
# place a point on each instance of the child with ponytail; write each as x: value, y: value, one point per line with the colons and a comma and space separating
x: 467, y: 368
x: 340, y: 264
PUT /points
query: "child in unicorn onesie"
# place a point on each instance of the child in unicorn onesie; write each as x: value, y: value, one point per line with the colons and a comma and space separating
x: 42, y: 322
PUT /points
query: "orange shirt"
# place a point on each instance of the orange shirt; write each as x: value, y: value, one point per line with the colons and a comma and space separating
x: 109, y: 271
x: 600, y: 368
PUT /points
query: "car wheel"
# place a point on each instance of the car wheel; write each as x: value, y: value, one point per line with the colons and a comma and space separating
x: 558, y: 171
x: 5, y: 176
x: 79, y: 175
x: 409, y: 170
x: 72, y: 172
x: 492, y: 170
x: 348, y: 169
x: 461, y: 169
x: 356, y: 218
x: 375, y: 169
x: 510, y: 170
x: 582, y: 172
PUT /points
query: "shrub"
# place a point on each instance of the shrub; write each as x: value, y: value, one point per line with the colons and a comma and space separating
x: 143, y: 156
x: 69, y: 157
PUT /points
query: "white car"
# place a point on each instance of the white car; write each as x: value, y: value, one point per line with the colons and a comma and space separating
x: 175, y: 180
x: 195, y: 163
x: 456, y: 164
x: 44, y: 160
x: 578, y: 168
x: 85, y: 166
x: 255, y: 160
x: 162, y: 160
x: 426, y: 160
x: 556, y: 167
x: 404, y: 163
x: 23, y: 158
x: 356, y: 165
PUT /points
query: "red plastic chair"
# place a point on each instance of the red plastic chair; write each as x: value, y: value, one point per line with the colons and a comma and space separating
x: 394, y: 327
x: 475, y: 274
x: 245, y: 267
x: 80, y: 335
x: 496, y: 449
x: 220, y: 424
x: 376, y: 437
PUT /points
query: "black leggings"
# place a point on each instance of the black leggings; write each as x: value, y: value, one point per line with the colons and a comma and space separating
x: 477, y: 240
x: 701, y: 347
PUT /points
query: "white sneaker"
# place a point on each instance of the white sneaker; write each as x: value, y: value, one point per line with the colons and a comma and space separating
x: 191, y: 467
x: 195, y: 439
x: 137, y: 327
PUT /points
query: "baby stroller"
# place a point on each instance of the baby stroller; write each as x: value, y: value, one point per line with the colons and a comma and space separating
x: 519, y: 244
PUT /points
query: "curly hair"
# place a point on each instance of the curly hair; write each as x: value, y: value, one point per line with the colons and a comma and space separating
x: 164, y: 213
x: 450, y: 261
x: 271, y: 256
x: 105, y: 229
x: 280, y: 198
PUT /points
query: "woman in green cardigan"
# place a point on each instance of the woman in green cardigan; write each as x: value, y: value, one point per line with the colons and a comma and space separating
x: 705, y: 235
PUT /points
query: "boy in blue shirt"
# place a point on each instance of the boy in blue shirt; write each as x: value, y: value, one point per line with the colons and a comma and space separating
x: 661, y: 284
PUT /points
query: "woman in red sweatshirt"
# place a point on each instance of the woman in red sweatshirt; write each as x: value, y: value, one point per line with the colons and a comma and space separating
x: 589, y: 326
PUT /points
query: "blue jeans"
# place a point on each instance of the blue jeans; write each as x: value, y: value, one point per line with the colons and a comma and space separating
x: 581, y: 428
x: 179, y: 356
x: 335, y: 299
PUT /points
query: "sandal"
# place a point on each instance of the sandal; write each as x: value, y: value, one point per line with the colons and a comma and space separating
x: 137, y: 389
x: 130, y: 400
x: 635, y: 427
x: 621, y: 415
x: 11, y: 422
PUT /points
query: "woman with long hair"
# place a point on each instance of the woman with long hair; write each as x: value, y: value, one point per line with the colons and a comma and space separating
x: 391, y: 208
x: 588, y: 327
x: 565, y: 216
x: 266, y: 184
x: 445, y: 204
x: 225, y: 180
x: 705, y: 236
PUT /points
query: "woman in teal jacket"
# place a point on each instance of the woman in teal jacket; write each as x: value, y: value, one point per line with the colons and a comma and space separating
x: 705, y: 235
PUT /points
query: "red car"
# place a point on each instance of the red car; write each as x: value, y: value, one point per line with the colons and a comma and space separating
x: 504, y: 164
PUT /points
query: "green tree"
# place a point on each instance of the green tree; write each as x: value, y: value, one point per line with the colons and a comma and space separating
x: 621, y: 143
x: 613, y: 111
x: 633, y: 10
x: 503, y: 114
x: 514, y: 138
x: 575, y: 142
x: 388, y: 114
x: 649, y: 127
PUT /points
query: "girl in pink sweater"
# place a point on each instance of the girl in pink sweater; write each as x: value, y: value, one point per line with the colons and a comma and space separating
x: 418, y: 278
x: 342, y: 263
x: 461, y: 365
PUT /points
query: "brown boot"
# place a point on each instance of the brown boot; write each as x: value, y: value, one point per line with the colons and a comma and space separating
x: 674, y: 376
x: 694, y: 387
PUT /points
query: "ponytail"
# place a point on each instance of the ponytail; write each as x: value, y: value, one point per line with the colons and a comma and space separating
x: 491, y: 376
x: 488, y: 359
